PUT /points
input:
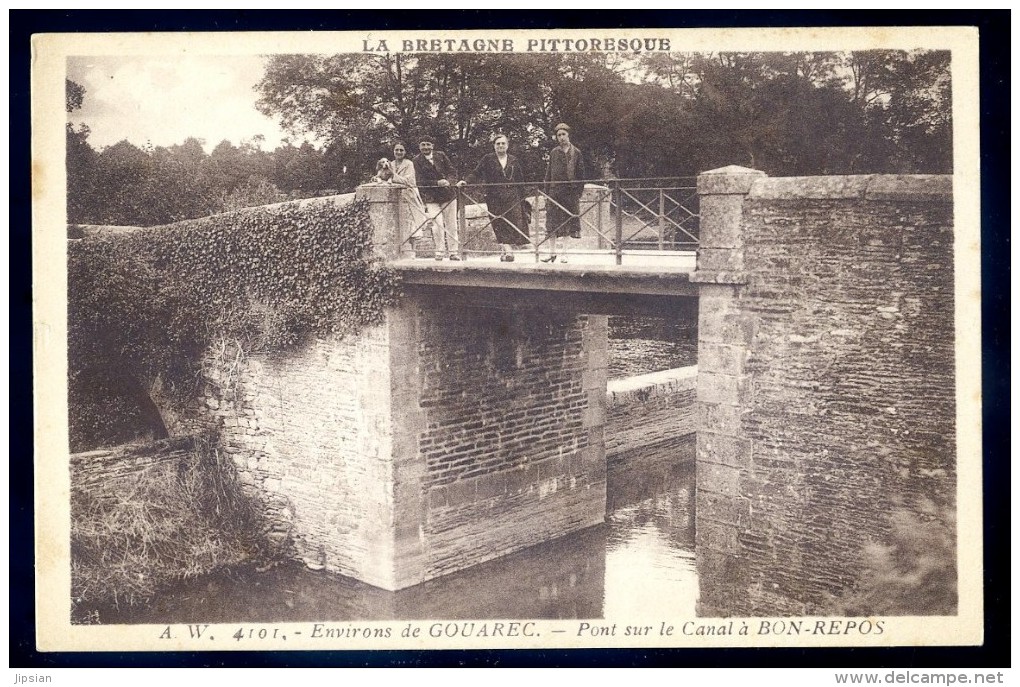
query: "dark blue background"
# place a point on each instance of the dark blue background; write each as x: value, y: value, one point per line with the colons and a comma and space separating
x: 995, y: 174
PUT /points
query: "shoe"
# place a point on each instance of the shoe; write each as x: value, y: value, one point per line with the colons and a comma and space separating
x: 575, y: 234
x: 455, y: 258
x: 551, y: 258
x: 439, y: 257
x: 509, y: 257
x: 502, y: 257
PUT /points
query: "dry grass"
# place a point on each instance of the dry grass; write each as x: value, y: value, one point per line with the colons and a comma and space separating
x: 176, y: 519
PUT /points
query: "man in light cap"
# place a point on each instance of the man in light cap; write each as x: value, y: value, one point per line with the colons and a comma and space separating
x: 564, y: 179
x: 436, y: 176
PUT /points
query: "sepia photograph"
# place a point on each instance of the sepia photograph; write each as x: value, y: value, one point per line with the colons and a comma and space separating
x: 508, y: 339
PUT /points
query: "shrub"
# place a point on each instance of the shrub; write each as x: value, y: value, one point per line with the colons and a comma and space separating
x: 252, y: 192
x: 150, y: 303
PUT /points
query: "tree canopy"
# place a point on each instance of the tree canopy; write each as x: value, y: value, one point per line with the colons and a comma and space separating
x: 663, y: 114
x: 654, y: 115
x: 146, y: 185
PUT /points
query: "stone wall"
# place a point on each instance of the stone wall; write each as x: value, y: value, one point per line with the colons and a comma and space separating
x: 443, y: 438
x: 103, y: 465
x: 311, y: 435
x: 505, y: 412
x: 826, y: 389
x: 650, y: 414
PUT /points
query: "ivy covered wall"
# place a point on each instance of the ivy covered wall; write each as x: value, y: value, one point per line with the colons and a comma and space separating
x: 145, y: 306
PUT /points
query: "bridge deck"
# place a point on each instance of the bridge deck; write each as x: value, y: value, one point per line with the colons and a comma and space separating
x: 642, y: 272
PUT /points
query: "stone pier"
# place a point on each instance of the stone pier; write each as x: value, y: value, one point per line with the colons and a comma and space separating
x: 445, y: 437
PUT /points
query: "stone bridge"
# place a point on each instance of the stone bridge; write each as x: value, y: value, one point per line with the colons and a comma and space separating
x: 473, y: 422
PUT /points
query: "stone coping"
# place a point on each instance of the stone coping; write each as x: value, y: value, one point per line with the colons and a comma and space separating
x: 868, y: 187
x: 739, y: 180
x: 642, y: 387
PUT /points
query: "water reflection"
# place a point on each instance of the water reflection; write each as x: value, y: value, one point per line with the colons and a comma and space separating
x: 650, y: 568
x: 640, y: 561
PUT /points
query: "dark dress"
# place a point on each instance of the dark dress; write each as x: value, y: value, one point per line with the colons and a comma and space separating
x: 505, y: 202
x: 563, y: 206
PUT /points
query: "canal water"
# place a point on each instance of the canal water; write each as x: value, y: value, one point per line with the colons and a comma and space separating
x: 639, y: 562
x: 645, y: 344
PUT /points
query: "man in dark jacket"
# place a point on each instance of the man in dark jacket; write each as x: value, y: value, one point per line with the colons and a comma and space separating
x: 436, y: 176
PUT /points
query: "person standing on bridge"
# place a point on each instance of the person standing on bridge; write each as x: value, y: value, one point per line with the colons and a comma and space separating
x: 436, y: 176
x: 564, y: 181
x: 413, y: 210
x: 504, y: 196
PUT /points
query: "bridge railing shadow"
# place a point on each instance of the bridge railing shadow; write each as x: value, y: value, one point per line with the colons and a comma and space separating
x: 599, y: 217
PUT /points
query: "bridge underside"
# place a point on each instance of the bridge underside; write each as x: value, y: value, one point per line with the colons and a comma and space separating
x: 589, y: 303
x: 609, y: 290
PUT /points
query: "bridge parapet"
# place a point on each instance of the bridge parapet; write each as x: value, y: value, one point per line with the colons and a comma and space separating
x: 388, y: 218
x: 613, y: 217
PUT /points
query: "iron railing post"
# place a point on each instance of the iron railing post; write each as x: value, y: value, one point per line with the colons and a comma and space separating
x: 536, y: 234
x: 601, y: 241
x: 461, y: 222
x: 662, y: 217
x: 619, y: 222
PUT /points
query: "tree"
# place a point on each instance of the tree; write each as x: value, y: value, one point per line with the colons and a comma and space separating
x: 908, y: 95
x: 121, y: 170
x: 346, y: 100
x: 80, y: 159
x: 74, y: 95
x: 300, y: 168
x: 814, y: 113
x: 254, y: 191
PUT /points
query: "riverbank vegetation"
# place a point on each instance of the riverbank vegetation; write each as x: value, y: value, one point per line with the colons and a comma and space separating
x: 174, y: 519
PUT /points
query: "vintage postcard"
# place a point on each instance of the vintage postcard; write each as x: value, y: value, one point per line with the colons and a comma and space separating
x: 507, y: 339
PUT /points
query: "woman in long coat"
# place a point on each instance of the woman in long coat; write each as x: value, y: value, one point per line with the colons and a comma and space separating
x: 505, y: 202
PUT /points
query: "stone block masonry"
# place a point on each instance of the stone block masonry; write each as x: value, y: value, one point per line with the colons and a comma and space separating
x: 509, y: 425
x: 310, y: 432
x: 443, y: 438
x: 649, y: 416
x: 827, y: 391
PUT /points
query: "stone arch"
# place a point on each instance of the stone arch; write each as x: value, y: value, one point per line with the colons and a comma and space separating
x: 107, y: 406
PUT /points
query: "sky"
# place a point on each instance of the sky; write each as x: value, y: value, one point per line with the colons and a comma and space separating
x: 164, y: 100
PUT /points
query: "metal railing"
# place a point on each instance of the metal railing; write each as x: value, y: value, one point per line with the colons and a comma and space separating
x: 614, y: 216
